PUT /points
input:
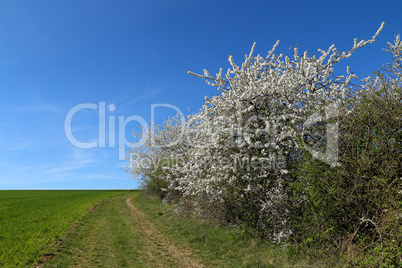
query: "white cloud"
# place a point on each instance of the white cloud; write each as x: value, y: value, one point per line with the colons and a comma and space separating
x: 79, y: 159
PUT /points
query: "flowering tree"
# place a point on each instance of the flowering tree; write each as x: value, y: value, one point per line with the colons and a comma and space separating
x: 238, y: 150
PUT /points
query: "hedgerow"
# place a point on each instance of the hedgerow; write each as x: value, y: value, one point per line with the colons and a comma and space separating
x: 291, y: 152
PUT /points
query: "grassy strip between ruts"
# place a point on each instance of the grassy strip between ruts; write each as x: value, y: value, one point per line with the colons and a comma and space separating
x: 150, y: 234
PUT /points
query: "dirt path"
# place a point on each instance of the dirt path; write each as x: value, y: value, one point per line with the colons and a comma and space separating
x: 160, y: 243
x: 118, y: 234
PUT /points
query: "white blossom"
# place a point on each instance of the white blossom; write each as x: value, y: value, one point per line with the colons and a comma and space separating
x: 257, y: 116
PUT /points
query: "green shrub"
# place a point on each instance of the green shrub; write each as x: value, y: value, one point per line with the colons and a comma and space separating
x: 155, y: 184
x: 355, y: 208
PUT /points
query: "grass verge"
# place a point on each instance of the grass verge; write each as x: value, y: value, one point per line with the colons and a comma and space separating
x: 217, y: 246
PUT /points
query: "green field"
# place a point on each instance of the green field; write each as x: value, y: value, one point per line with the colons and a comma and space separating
x: 33, y: 222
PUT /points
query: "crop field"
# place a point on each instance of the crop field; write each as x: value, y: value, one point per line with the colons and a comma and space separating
x: 33, y: 222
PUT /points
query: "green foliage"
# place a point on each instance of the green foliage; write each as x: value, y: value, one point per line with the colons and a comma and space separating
x: 154, y: 184
x: 355, y: 208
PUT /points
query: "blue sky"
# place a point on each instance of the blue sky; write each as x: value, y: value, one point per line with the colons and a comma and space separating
x: 55, y: 55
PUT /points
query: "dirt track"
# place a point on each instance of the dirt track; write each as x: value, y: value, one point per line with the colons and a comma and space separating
x: 159, y: 244
x: 117, y: 234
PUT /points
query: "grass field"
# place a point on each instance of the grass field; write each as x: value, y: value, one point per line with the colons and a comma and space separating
x: 33, y: 222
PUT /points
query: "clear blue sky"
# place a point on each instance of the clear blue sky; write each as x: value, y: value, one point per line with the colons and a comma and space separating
x: 55, y: 55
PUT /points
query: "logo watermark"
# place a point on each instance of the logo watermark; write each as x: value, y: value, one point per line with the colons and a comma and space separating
x: 255, y: 125
x: 122, y: 141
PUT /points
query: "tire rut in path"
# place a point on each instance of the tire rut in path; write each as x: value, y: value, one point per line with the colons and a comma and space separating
x: 159, y: 242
